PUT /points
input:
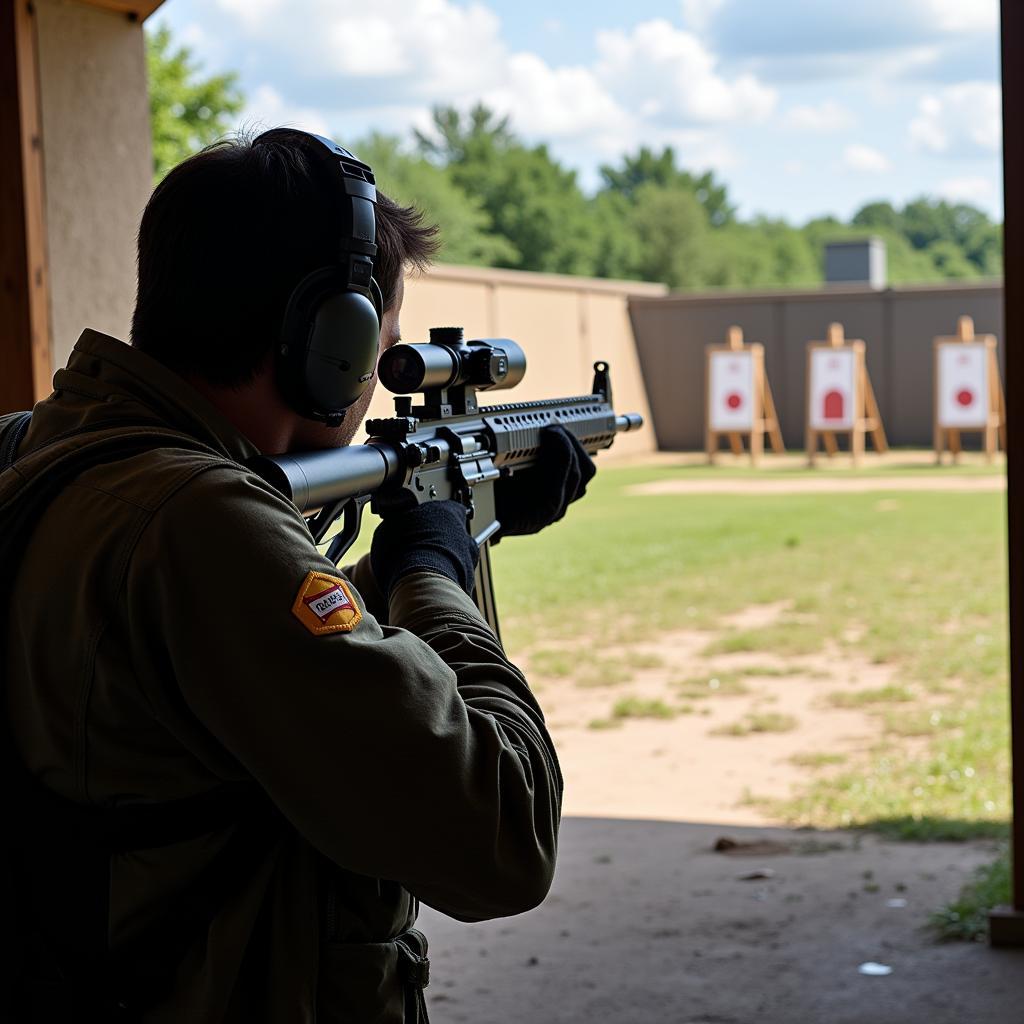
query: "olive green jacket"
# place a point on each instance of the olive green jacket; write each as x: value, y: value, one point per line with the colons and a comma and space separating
x: 157, y: 648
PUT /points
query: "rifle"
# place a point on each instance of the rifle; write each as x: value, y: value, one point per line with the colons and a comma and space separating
x: 449, y: 447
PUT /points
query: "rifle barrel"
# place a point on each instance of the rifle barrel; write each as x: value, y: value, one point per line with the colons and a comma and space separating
x: 313, y: 480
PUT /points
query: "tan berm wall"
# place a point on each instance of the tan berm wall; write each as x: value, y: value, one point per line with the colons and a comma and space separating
x: 97, y: 164
x: 564, y: 325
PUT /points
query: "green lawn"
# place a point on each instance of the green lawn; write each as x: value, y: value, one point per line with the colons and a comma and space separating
x: 920, y: 580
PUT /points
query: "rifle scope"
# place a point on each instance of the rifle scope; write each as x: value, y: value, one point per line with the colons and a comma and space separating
x: 450, y: 361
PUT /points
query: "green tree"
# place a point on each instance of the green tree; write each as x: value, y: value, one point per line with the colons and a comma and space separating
x: 187, y: 111
x: 670, y: 226
x: 950, y: 260
x: 761, y: 254
x: 880, y: 214
x: 532, y: 201
x: 462, y: 140
x: 960, y: 239
x: 648, y: 167
x: 466, y: 232
x: 618, y: 249
x: 906, y: 265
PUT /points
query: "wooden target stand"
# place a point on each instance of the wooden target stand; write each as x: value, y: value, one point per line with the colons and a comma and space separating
x: 994, y: 429
x: 763, y: 420
x: 865, y: 419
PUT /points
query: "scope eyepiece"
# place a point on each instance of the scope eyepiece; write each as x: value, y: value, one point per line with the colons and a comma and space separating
x: 449, y: 361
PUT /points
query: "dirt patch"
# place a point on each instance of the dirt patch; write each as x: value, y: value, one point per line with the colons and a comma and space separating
x: 820, y: 485
x: 756, y: 616
x: 680, y: 735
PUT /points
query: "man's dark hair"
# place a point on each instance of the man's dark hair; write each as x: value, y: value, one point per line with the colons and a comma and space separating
x: 228, y: 234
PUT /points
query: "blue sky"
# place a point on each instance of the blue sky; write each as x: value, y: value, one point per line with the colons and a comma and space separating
x: 803, y: 107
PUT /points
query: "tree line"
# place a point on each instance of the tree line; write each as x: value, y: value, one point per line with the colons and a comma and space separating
x: 502, y: 202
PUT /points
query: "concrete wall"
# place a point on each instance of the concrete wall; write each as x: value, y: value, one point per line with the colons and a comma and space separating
x: 897, y: 324
x: 563, y: 323
x: 97, y: 165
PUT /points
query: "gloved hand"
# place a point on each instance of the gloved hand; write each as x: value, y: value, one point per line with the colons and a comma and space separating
x: 431, y: 536
x: 539, y: 496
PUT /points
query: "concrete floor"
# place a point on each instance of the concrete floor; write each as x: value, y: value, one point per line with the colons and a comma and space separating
x: 645, y: 924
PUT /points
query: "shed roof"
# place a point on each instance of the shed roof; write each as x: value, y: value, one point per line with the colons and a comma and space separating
x: 141, y: 9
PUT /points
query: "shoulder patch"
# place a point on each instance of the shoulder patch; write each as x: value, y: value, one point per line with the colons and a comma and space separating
x: 325, y: 605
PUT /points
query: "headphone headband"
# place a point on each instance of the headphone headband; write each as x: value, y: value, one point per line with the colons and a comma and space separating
x: 358, y: 250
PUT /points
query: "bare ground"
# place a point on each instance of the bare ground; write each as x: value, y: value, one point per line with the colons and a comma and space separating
x: 647, y: 924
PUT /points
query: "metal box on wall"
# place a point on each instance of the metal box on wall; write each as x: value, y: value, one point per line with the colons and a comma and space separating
x: 859, y: 262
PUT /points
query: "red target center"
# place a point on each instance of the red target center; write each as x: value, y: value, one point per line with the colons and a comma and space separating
x: 734, y: 401
x: 965, y: 397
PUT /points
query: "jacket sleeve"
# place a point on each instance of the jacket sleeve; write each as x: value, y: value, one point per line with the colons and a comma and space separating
x: 361, y: 574
x: 413, y: 752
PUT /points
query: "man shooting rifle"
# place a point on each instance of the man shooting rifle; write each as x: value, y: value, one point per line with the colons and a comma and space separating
x: 233, y: 768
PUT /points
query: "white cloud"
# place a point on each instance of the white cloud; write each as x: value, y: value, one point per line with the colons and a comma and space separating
x: 698, y: 14
x: 442, y: 48
x: 866, y: 159
x: 960, y: 120
x: 816, y: 27
x: 669, y: 75
x: 439, y: 48
x: 357, y: 67
x: 976, y: 190
x: 253, y: 14
x: 790, y: 40
x: 558, y: 102
x: 267, y: 108
x: 961, y: 15
x: 425, y: 52
x: 827, y: 116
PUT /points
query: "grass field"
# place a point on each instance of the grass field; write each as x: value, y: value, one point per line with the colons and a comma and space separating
x: 916, y: 580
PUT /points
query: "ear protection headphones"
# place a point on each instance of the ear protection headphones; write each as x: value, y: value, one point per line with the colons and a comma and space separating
x: 330, y: 334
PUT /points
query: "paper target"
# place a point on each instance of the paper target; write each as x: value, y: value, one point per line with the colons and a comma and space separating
x: 962, y: 386
x: 731, y: 391
x: 832, y: 388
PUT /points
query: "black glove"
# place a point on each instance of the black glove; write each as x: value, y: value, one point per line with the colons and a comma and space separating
x: 539, y: 496
x: 432, y: 536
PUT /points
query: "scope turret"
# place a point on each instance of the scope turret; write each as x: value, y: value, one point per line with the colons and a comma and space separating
x: 449, y: 361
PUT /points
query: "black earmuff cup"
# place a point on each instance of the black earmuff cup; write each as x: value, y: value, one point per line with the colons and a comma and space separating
x: 341, y: 354
x: 329, y: 344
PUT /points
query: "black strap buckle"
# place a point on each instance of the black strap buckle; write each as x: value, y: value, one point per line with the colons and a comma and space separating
x: 413, y: 961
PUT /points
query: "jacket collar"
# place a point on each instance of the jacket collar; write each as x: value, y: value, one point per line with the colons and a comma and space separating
x: 108, y: 383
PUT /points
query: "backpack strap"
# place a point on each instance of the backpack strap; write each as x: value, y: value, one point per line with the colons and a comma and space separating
x: 13, y: 429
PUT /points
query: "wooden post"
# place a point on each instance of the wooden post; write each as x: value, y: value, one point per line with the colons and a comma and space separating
x: 763, y: 418
x: 25, y: 365
x: 1006, y: 924
x: 734, y: 342
x: 991, y: 420
x: 865, y: 418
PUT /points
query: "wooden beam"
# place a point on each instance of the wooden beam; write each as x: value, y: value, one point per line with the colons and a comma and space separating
x: 25, y: 365
x: 138, y: 9
x: 1006, y: 925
